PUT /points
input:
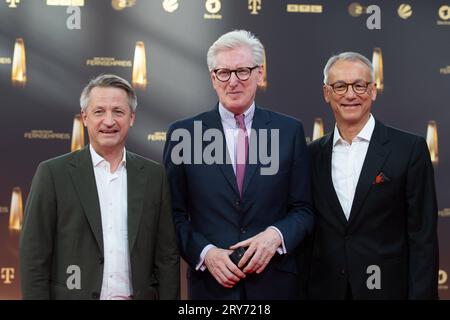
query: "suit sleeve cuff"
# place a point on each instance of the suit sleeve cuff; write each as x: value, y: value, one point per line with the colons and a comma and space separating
x: 282, y: 248
x: 200, y: 265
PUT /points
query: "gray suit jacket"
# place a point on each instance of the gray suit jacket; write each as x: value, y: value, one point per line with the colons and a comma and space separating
x: 62, y: 227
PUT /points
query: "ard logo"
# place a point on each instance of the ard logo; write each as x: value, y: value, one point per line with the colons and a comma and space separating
x: 213, y: 6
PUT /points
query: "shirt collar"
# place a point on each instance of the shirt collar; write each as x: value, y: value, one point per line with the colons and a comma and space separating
x: 364, y: 134
x: 228, y: 116
x: 97, y: 159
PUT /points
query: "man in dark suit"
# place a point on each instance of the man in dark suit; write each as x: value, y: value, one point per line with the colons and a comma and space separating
x: 234, y: 199
x: 374, y: 198
x: 98, y: 221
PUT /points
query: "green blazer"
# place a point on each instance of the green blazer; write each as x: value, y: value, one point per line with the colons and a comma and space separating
x: 62, y: 227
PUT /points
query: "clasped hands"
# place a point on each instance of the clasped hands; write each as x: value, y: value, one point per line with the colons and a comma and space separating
x: 260, y: 250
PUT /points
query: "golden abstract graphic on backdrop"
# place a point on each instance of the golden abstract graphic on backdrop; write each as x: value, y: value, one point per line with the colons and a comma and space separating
x: 444, y: 212
x: 139, y: 77
x: 46, y: 135
x: 404, y: 11
x: 263, y: 84
x: 442, y: 279
x: 122, y: 4
x: 19, y: 66
x: 7, y: 274
x: 16, y: 210
x: 304, y: 8
x: 355, y: 9
x: 170, y: 5
x: 4, y: 209
x: 213, y: 8
x: 432, y: 141
x: 254, y: 6
x: 66, y: 3
x: 317, y: 129
x: 377, y: 62
x: 108, y: 62
x: 12, y: 3
x: 77, y: 142
x: 157, y: 136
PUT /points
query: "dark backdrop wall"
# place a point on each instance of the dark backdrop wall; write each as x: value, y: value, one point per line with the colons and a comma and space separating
x: 36, y: 118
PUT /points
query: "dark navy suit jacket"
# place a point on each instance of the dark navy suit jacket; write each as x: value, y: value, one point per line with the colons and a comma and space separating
x: 208, y: 209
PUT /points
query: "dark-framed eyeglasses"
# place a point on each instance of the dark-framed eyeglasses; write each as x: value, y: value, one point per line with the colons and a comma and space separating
x: 341, y: 87
x: 242, y: 74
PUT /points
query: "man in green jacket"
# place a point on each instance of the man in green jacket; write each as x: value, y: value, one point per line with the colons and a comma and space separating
x: 98, y: 221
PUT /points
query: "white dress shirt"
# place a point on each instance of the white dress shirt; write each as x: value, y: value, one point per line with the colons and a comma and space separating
x: 112, y: 195
x: 231, y: 132
x: 346, y: 163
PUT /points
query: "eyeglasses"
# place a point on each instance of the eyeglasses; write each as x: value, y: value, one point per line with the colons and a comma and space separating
x: 242, y: 74
x: 359, y: 87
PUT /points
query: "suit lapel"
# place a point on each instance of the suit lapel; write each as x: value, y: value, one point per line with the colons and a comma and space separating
x: 136, y: 187
x: 375, y: 158
x: 326, y: 177
x: 82, y: 173
x: 212, y: 120
x: 260, y: 121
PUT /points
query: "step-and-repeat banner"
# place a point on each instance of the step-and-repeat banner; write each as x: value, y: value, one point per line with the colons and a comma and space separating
x: 49, y: 49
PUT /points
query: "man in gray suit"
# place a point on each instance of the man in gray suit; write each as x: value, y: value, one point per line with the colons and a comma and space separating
x: 98, y: 221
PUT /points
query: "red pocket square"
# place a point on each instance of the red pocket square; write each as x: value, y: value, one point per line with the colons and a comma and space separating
x: 380, y: 178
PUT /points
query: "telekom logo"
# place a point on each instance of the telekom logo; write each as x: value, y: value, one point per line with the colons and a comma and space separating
x: 7, y: 274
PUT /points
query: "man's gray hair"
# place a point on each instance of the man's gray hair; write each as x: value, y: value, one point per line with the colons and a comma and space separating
x: 232, y: 40
x: 108, y: 81
x: 346, y: 56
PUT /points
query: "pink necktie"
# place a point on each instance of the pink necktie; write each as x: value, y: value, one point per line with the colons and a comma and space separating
x: 241, y: 151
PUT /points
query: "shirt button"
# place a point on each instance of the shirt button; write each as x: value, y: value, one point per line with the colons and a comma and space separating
x: 243, y: 230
